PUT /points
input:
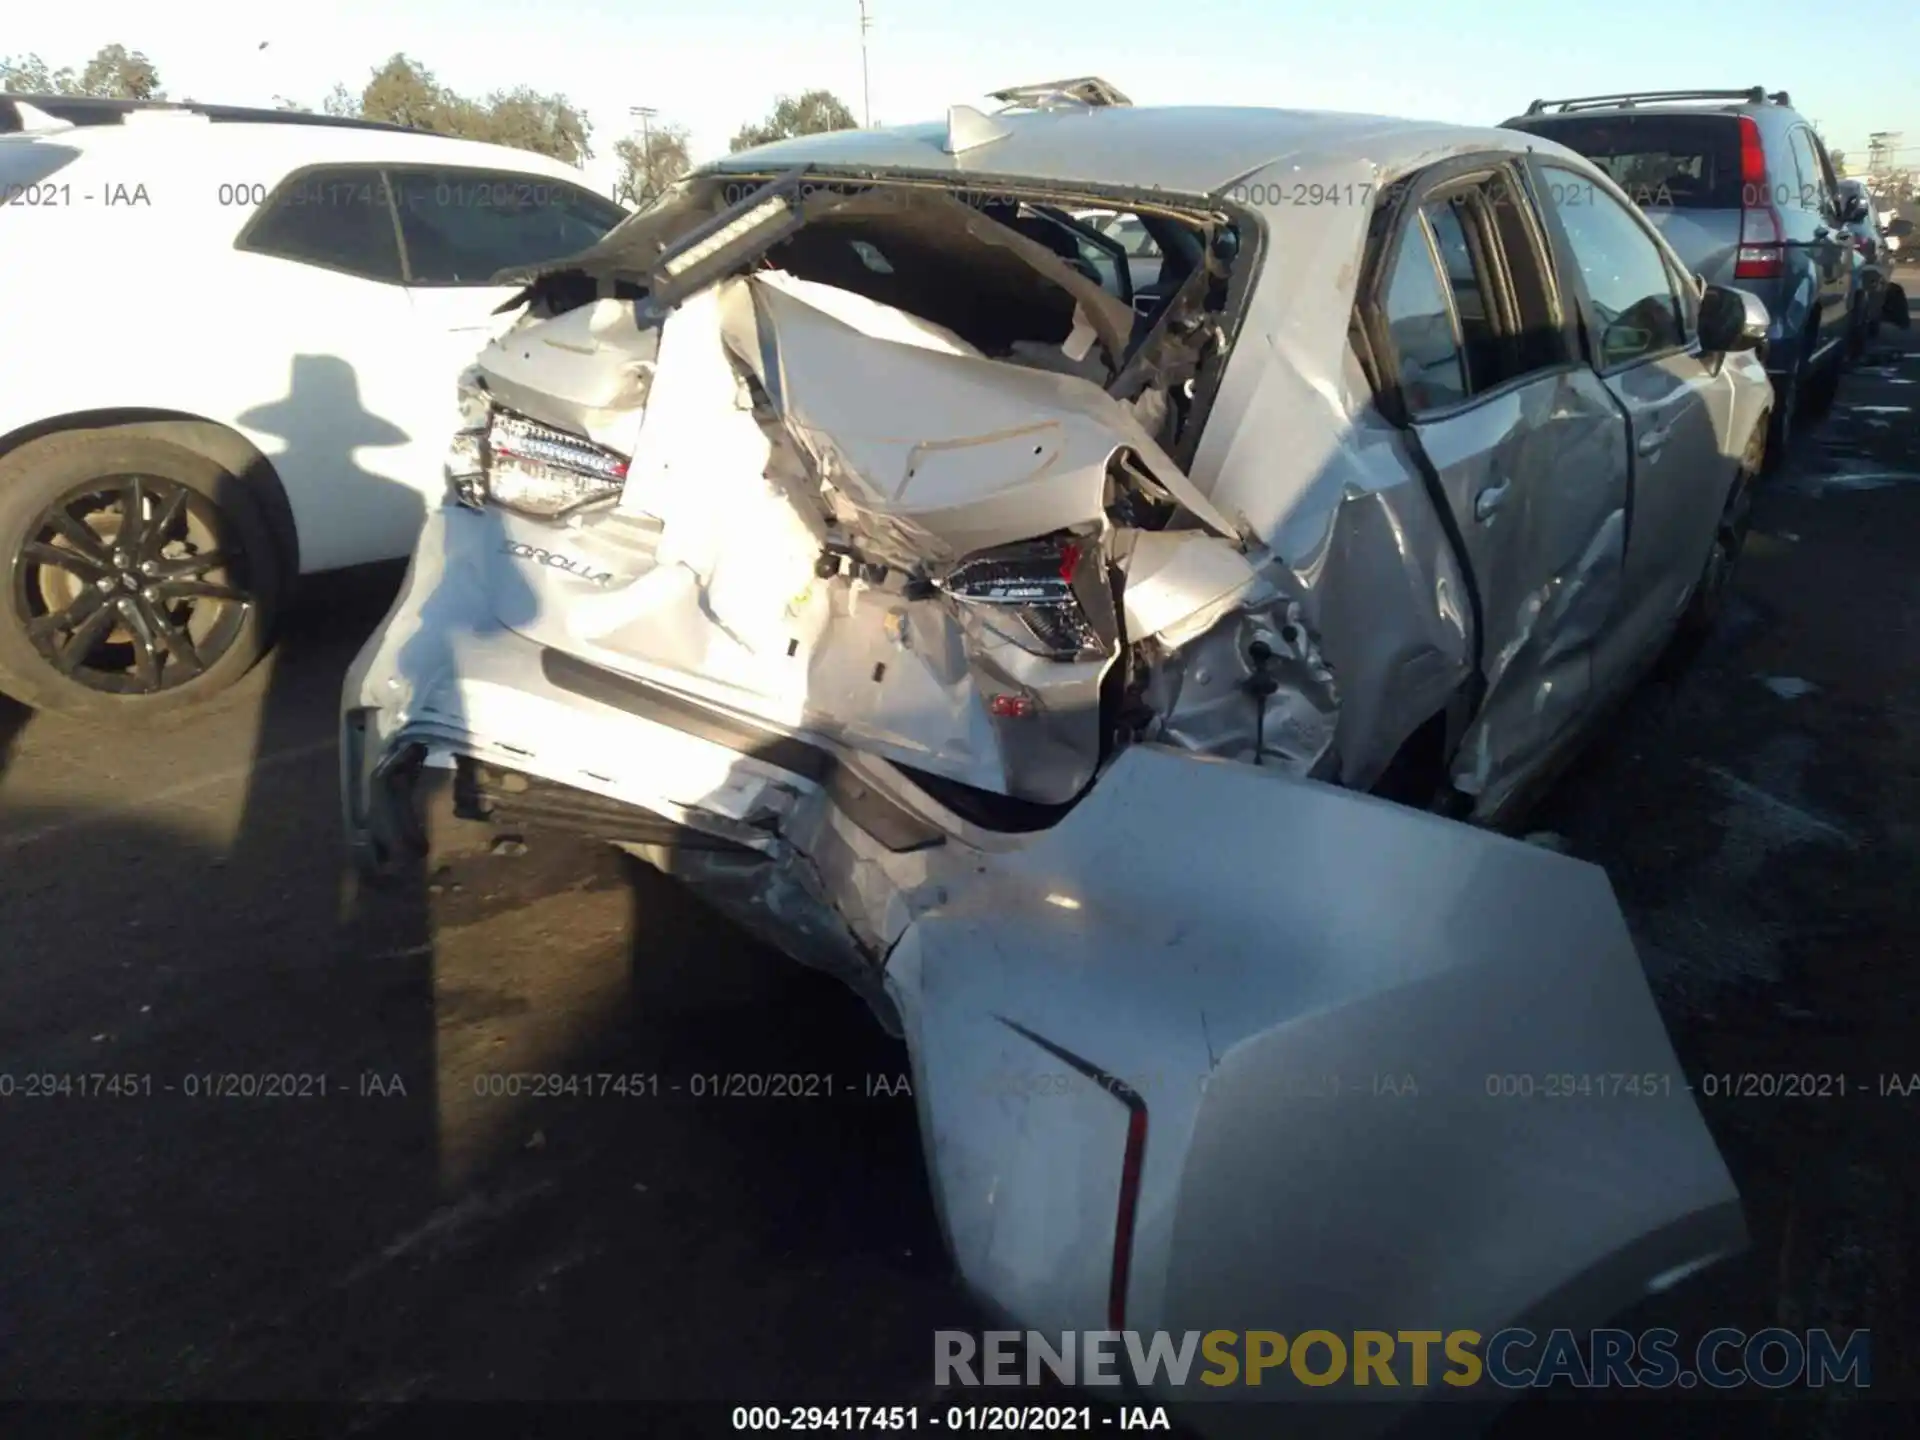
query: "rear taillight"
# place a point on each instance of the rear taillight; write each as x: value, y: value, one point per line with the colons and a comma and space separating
x: 1049, y: 597
x: 1761, y: 255
x: 532, y: 468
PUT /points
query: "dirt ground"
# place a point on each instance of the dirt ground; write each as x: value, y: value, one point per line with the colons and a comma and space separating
x: 173, y: 910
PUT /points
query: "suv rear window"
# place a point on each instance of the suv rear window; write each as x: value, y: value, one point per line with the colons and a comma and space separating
x: 1682, y: 162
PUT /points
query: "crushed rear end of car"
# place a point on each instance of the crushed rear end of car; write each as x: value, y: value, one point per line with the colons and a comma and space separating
x: 830, y: 545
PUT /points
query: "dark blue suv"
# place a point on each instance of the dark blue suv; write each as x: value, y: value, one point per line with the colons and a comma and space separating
x: 1742, y: 188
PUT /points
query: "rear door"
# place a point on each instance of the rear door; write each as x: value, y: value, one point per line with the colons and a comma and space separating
x: 1226, y: 1050
x: 332, y: 397
x: 1812, y: 219
x: 1526, y: 448
x: 1640, y: 317
x: 1834, y: 237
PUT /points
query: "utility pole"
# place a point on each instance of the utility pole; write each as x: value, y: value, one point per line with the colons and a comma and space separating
x: 644, y: 114
x: 1881, y: 145
x: 866, y: 94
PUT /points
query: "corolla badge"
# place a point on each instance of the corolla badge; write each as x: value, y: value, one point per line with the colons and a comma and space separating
x: 554, y: 560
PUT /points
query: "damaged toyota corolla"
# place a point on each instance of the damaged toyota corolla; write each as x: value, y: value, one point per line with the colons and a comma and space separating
x: 1098, y: 676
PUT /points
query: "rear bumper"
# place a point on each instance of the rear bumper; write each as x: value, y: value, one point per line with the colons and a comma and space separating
x: 807, y: 847
x: 442, y: 677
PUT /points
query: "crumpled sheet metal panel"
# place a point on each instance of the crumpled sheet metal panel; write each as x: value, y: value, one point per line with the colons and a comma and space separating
x: 1294, y: 449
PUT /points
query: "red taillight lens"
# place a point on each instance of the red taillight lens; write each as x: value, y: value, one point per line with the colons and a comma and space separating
x: 1038, y: 595
x: 1760, y: 256
x: 1012, y: 707
x: 1753, y: 163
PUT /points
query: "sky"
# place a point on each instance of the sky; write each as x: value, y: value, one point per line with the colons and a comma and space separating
x: 715, y: 65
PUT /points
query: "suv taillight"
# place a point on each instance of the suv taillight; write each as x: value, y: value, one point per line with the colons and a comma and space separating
x: 1761, y: 255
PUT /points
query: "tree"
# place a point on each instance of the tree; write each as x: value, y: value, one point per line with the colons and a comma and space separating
x: 28, y: 75
x: 405, y: 92
x: 807, y: 114
x: 114, y: 73
x: 1839, y: 159
x: 121, y: 73
x: 530, y: 120
x: 649, y: 166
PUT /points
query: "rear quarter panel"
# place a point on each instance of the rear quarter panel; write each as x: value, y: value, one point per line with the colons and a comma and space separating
x: 1295, y: 448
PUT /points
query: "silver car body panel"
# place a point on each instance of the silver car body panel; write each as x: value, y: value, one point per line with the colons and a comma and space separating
x: 1303, y: 1031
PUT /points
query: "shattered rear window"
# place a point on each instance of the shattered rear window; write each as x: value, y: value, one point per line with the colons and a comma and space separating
x: 1681, y: 162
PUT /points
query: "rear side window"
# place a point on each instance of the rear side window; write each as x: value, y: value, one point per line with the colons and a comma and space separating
x: 462, y: 227
x: 1679, y: 162
x: 1448, y: 219
x: 1481, y: 241
x: 336, y: 218
x: 1420, y: 325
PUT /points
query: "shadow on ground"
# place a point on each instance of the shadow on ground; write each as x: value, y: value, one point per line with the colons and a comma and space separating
x: 429, y: 1225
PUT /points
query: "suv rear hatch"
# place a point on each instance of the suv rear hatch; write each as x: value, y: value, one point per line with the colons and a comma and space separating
x: 1683, y: 169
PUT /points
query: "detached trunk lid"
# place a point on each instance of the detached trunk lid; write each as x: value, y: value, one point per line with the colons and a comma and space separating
x: 1230, y: 1050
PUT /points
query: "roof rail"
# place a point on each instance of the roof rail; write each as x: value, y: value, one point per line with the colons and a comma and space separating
x: 1088, y: 92
x: 82, y: 110
x: 1627, y: 99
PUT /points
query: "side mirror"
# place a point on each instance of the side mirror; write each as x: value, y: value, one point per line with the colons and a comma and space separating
x: 1854, y: 209
x: 1900, y: 227
x: 1732, y: 320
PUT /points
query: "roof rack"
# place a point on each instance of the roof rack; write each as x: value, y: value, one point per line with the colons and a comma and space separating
x: 1088, y: 92
x: 82, y: 110
x: 1626, y: 100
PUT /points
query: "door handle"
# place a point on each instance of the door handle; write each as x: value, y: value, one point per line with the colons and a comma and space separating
x: 1490, y: 500
x: 1651, y: 442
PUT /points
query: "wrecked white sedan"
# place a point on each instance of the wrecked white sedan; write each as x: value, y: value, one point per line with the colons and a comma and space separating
x: 1022, y: 644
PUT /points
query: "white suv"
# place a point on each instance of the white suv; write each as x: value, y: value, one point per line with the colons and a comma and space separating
x: 231, y: 336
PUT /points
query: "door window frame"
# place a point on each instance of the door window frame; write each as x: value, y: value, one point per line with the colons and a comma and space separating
x: 1812, y: 198
x: 1418, y: 232
x: 1406, y: 201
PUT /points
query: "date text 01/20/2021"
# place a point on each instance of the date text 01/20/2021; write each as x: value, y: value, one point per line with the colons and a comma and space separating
x: 1042, y: 1419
